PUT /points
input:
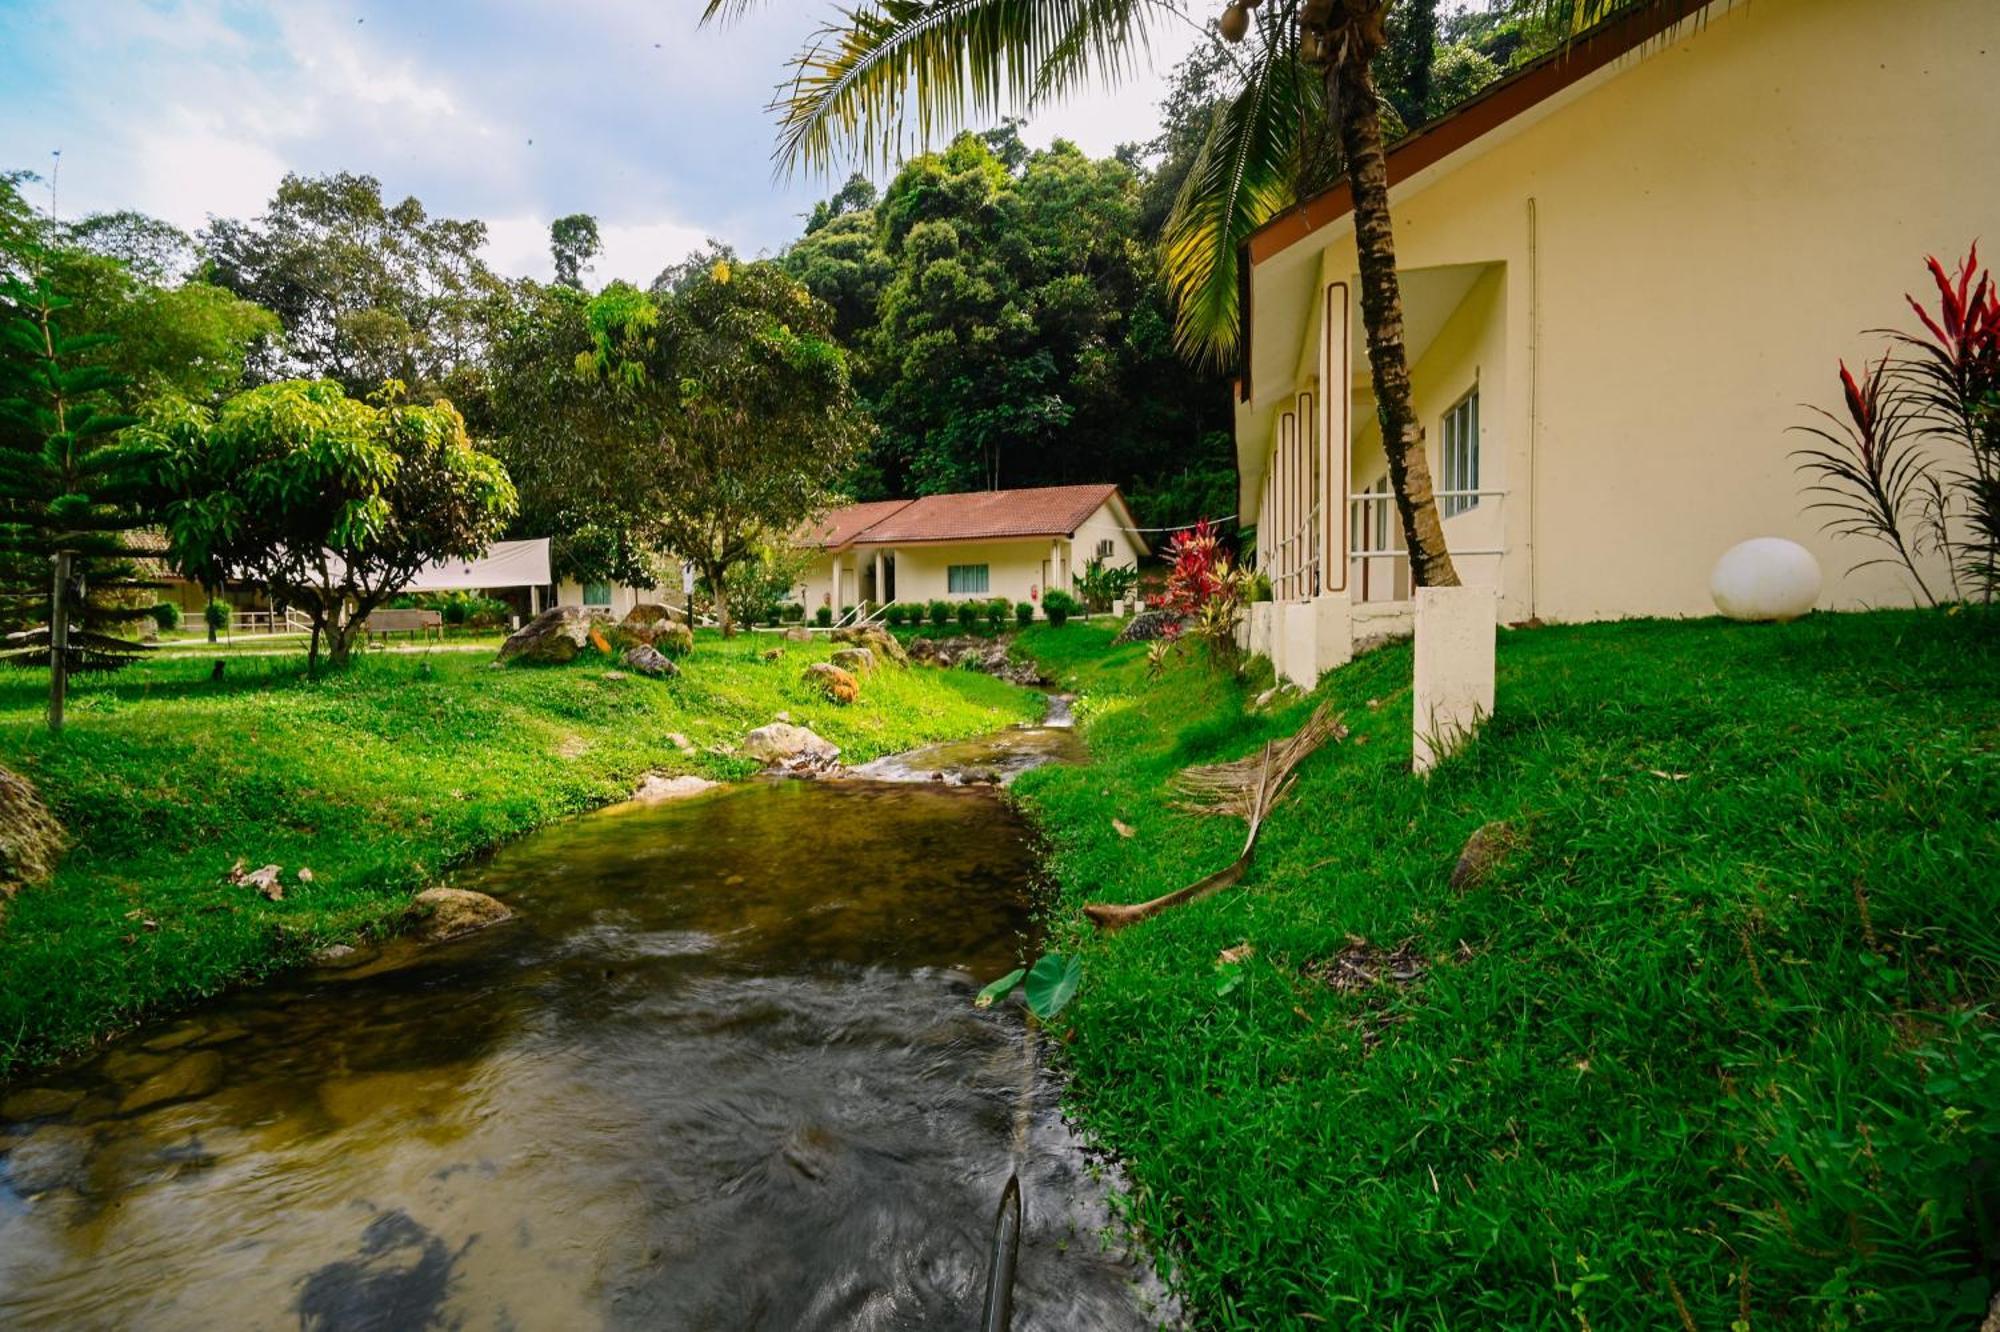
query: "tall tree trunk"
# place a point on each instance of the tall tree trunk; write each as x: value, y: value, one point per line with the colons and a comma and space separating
x: 59, y: 641
x: 1351, y: 86
x: 714, y: 573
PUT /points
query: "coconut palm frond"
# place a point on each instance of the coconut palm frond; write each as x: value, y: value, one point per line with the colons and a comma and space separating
x: 884, y: 77
x: 1242, y: 176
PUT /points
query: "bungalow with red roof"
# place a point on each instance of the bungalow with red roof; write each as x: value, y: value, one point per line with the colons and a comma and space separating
x: 966, y: 547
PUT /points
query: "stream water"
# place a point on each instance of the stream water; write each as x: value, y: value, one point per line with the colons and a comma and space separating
x: 723, y: 1072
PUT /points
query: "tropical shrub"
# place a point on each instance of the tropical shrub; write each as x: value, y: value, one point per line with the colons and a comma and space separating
x: 1100, y: 584
x: 823, y: 617
x: 1914, y: 463
x: 968, y: 615
x: 1059, y: 605
x: 1204, y: 593
x: 1024, y: 613
x: 996, y: 613
x: 847, y: 612
x: 898, y: 615
x: 940, y: 612
x: 216, y: 615
x: 794, y: 613
x: 167, y: 616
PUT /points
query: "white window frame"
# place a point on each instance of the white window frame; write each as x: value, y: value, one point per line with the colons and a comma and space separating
x: 1458, y: 439
x: 957, y: 574
x: 1106, y: 548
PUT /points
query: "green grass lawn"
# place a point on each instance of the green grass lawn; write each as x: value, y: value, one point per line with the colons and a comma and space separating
x: 1715, y: 1047
x: 378, y: 780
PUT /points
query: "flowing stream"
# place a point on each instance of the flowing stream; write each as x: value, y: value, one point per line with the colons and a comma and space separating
x: 723, y: 1072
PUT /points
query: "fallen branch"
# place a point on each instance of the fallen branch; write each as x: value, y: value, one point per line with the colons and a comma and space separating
x: 1251, y: 787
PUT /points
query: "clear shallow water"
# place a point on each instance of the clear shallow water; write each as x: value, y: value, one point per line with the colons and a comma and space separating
x: 724, y: 1072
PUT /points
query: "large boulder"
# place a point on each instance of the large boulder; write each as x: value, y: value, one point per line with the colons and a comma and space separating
x: 648, y: 661
x: 657, y: 788
x: 646, y: 615
x: 447, y: 913
x: 837, y: 685
x: 855, y: 660
x: 876, y: 639
x: 784, y: 743
x: 551, y: 638
x: 798, y: 633
x: 30, y: 838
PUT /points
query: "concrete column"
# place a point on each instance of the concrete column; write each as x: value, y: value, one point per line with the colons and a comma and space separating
x: 1333, y: 630
x: 1298, y: 653
x: 881, y: 580
x: 1454, y: 670
x: 836, y: 586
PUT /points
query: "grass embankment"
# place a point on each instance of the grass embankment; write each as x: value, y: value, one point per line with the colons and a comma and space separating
x: 377, y: 780
x: 1714, y: 1047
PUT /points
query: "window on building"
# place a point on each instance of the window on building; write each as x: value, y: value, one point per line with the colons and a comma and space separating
x: 597, y: 594
x: 1461, y: 456
x: 965, y: 578
x: 1106, y: 549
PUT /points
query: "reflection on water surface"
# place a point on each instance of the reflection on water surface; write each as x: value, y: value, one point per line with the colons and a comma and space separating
x: 723, y: 1072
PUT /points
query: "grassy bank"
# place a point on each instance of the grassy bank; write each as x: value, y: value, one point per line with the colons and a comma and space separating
x: 377, y: 780
x: 1714, y: 1047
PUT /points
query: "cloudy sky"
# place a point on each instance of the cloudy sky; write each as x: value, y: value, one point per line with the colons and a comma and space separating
x: 512, y: 111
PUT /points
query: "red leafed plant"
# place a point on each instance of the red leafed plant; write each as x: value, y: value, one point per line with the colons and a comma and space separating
x: 1921, y: 438
x: 1203, y: 592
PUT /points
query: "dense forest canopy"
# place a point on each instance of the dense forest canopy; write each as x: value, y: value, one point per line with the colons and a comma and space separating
x: 1002, y: 310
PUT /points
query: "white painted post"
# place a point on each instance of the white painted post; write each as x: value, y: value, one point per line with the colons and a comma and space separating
x: 1454, y: 670
x: 836, y: 585
x: 881, y: 585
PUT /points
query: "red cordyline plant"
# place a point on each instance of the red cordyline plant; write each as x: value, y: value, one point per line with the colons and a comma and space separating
x: 1921, y: 440
x: 1204, y: 591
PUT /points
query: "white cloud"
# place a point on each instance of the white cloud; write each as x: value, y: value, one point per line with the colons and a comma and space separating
x: 634, y: 251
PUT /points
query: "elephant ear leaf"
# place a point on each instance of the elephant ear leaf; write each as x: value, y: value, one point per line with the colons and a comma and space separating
x: 1052, y: 984
x: 999, y: 989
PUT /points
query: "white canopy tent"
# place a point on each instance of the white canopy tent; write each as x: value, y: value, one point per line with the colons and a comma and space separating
x: 505, y: 564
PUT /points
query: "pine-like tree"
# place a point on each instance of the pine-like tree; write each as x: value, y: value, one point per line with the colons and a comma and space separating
x: 72, y: 491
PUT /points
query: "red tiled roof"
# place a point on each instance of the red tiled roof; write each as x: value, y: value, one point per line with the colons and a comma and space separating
x: 841, y: 526
x: 989, y: 515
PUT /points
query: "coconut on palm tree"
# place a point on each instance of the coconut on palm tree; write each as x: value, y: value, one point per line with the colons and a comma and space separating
x: 885, y: 75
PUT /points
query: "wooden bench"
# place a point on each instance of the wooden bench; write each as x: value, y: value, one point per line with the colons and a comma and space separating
x: 386, y: 622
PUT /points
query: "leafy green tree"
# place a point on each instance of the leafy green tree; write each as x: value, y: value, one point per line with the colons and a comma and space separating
x: 368, y: 291
x: 71, y: 490
x: 332, y: 504
x: 886, y: 65
x: 732, y: 380
x: 573, y: 243
x: 155, y: 252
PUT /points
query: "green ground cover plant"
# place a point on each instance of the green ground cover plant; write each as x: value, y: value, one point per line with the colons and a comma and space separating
x: 378, y: 779
x: 1713, y: 1045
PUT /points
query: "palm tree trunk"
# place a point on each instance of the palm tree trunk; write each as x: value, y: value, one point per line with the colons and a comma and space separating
x: 1351, y: 86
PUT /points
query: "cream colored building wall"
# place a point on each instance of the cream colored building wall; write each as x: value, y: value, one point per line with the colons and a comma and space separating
x: 1016, y: 569
x: 569, y: 592
x: 1104, y: 525
x: 1702, y: 235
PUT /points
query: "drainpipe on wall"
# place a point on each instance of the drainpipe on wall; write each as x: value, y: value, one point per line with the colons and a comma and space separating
x: 1534, y: 407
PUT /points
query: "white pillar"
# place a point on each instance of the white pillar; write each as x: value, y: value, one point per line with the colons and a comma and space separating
x: 1454, y: 670
x: 836, y: 585
x: 881, y: 583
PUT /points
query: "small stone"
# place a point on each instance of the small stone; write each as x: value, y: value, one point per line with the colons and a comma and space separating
x: 450, y: 912
x: 1123, y: 829
x: 837, y: 685
x: 264, y: 880
x: 649, y: 662
x: 620, y: 675
x: 338, y: 957
x: 39, y: 1103
x: 657, y: 787
x: 796, y: 634
x: 781, y: 715
x: 1484, y: 850
x: 774, y: 654
x: 173, y: 1040
x: 781, y: 742
x: 184, y: 1080
x: 855, y: 660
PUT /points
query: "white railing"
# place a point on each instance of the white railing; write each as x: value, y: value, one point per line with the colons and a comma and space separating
x: 287, y: 621
x: 1363, y: 553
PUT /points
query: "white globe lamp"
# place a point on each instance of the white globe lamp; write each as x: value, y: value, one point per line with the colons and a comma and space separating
x: 1765, y: 578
